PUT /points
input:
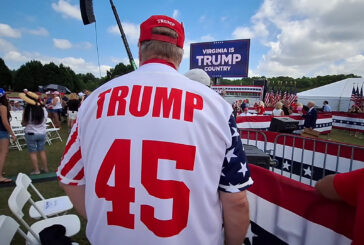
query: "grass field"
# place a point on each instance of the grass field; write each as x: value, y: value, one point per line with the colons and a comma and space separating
x: 18, y: 161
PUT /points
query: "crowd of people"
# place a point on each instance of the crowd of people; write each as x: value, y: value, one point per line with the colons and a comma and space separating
x: 37, y: 108
x: 208, y: 180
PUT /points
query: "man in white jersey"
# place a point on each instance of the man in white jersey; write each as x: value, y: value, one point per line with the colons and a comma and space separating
x: 156, y: 158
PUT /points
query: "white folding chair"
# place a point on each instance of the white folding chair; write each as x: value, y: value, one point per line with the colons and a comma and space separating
x: 8, y: 228
x: 17, y: 200
x: 52, y: 132
x: 19, y: 132
x: 51, y: 206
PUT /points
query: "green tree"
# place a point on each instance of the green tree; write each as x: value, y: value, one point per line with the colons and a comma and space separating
x: 119, y: 70
x: 6, y: 78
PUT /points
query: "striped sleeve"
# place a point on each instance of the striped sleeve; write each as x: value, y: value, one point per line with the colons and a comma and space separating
x: 235, y: 174
x: 71, y: 170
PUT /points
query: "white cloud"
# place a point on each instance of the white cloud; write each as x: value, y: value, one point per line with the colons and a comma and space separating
x: 131, y: 31
x: 175, y: 14
x: 207, y: 38
x: 15, y: 56
x: 67, y: 10
x: 305, y: 38
x: 124, y: 60
x: 8, y: 31
x: 243, y: 33
x: 252, y: 73
x: 41, y: 31
x: 62, y: 43
x: 186, y: 48
x: 6, y: 46
x: 77, y: 64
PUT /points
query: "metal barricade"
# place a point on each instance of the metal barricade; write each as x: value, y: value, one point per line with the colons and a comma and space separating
x: 253, y: 132
x: 294, y: 160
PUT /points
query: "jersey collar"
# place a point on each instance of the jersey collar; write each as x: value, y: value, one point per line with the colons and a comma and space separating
x: 161, y: 61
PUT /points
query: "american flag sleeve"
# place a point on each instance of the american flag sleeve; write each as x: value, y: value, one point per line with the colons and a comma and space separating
x: 70, y: 170
x: 235, y: 173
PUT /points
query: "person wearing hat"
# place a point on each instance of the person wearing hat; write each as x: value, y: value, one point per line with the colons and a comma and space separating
x: 34, y: 120
x: 5, y: 130
x: 56, y: 109
x: 199, y: 75
x: 154, y: 158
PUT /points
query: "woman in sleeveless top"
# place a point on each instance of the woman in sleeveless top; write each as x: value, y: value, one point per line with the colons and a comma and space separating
x: 278, y: 110
x: 34, y: 120
x: 56, y: 109
x: 5, y: 130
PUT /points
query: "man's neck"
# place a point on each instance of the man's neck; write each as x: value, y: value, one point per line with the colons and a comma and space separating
x: 161, y: 61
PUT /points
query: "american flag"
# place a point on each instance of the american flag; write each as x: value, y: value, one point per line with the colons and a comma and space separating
x: 285, y: 95
x: 277, y: 97
x: 293, y: 96
x: 267, y: 97
x: 353, y: 95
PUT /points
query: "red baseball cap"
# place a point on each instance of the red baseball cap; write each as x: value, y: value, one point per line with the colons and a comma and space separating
x: 147, y: 26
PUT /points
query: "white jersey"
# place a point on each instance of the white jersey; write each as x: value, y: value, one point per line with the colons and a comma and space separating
x: 152, y: 149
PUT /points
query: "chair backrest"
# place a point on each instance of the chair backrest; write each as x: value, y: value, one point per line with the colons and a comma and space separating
x: 8, y: 228
x: 24, y: 181
x: 49, y: 121
x: 18, y: 198
x: 16, y: 124
x: 16, y: 115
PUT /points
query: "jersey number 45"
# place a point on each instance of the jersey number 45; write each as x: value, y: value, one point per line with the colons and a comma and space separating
x: 121, y: 194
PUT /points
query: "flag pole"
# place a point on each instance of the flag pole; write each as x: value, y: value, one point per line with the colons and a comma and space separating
x: 123, y: 36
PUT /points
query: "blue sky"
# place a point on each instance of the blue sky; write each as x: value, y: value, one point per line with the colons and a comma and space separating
x: 294, y: 38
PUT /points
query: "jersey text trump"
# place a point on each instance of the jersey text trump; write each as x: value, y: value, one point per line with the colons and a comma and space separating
x: 138, y: 100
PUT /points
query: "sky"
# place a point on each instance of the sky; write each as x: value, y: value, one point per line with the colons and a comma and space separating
x: 288, y: 37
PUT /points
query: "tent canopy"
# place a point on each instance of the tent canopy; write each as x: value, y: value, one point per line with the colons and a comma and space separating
x: 338, y: 94
x: 54, y: 87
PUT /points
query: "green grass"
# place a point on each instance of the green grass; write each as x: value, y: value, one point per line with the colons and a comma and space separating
x: 344, y: 136
x: 18, y: 161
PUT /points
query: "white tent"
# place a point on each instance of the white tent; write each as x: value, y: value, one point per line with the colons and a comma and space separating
x: 338, y: 94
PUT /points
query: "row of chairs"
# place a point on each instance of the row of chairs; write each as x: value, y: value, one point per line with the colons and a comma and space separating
x: 52, y: 133
x: 48, y: 212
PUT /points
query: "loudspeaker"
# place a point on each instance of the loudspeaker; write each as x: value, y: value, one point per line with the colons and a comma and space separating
x: 261, y: 82
x: 87, y: 12
x: 283, y: 124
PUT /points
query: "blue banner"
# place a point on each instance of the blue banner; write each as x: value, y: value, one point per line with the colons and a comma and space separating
x: 221, y: 58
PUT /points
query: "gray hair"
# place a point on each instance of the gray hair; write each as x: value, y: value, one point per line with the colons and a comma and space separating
x: 154, y: 49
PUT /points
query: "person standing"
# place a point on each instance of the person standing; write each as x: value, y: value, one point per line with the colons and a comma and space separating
x: 285, y: 107
x: 260, y: 108
x: 347, y: 187
x: 72, y: 104
x: 56, y: 109
x: 326, y: 107
x: 155, y: 158
x: 5, y: 130
x: 311, y: 116
x: 34, y: 120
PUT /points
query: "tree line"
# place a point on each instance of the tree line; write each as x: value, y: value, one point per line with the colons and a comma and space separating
x: 33, y: 74
x: 303, y: 83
